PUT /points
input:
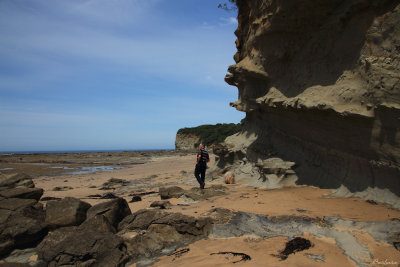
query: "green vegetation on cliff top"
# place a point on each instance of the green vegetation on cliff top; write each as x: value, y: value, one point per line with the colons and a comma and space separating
x: 212, y: 134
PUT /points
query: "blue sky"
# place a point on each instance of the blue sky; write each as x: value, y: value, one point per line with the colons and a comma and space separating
x: 112, y: 74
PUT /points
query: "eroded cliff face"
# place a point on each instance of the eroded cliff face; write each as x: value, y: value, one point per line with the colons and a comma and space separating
x: 187, y: 142
x: 320, y: 84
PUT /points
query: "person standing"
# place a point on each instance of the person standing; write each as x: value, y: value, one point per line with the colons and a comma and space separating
x: 201, y: 165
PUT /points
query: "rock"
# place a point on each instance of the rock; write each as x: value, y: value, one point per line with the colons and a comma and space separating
x: 73, y: 246
x: 98, y: 223
x: 200, y: 194
x: 220, y: 215
x: 136, y: 199
x: 184, y: 224
x: 15, y: 180
x: 108, y: 195
x: 187, y: 142
x: 229, y: 178
x: 161, y: 204
x: 20, y: 232
x: 49, y: 198
x: 139, y: 220
x: 115, y: 181
x: 158, y: 238
x: 14, y: 204
x: 114, y: 210
x: 66, y: 212
x: 295, y: 245
x: 321, y: 92
x: 170, y: 192
x: 22, y: 192
x: 62, y: 188
x: 160, y: 232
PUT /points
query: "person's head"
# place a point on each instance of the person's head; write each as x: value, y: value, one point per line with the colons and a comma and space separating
x: 201, y: 146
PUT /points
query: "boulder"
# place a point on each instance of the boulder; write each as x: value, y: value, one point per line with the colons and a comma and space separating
x: 163, y: 204
x: 20, y: 232
x: 14, y: 204
x: 170, y: 192
x: 160, y: 232
x: 66, y: 212
x: 98, y: 223
x: 76, y: 246
x: 22, y: 192
x: 114, y: 210
x: 15, y: 180
x: 142, y: 219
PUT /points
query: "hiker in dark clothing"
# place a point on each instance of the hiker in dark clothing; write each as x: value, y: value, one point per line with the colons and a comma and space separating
x: 201, y: 165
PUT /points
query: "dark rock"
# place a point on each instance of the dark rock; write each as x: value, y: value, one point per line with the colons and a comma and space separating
x: 157, y: 238
x: 142, y: 193
x: 179, y: 253
x: 142, y: 219
x: 244, y: 257
x: 14, y: 204
x: 372, y: 202
x: 73, y: 246
x: 114, y: 210
x: 94, y: 196
x: 66, y: 212
x: 295, y: 245
x: 20, y: 232
x: 22, y: 192
x: 15, y: 264
x: 62, y: 188
x: 163, y: 204
x: 115, y: 181
x: 159, y: 232
x: 49, y: 198
x: 108, y: 195
x: 170, y: 192
x: 19, y: 179
x: 98, y: 223
x: 136, y: 199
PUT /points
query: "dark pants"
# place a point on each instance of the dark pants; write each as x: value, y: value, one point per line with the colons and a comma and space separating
x: 200, y: 173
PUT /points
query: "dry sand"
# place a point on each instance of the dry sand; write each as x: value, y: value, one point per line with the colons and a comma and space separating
x: 294, y: 201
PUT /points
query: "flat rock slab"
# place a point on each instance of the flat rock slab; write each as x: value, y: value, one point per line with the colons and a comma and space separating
x: 22, y: 192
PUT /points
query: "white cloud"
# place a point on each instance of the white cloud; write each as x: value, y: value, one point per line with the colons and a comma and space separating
x: 228, y: 21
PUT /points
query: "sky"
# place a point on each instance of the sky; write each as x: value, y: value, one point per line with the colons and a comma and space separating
x: 112, y: 74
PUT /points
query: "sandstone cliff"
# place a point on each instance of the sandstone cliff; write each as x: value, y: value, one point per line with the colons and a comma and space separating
x: 209, y: 135
x: 320, y: 84
x: 186, y: 141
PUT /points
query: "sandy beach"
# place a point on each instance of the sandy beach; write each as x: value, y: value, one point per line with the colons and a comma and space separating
x: 342, y: 231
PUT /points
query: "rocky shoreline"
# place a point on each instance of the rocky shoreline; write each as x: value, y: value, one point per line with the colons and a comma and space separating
x: 131, y: 218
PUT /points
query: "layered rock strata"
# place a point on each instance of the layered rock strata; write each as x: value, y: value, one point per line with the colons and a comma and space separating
x: 319, y: 82
x: 186, y: 142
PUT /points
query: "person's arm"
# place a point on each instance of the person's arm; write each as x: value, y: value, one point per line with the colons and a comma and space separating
x: 198, y: 157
